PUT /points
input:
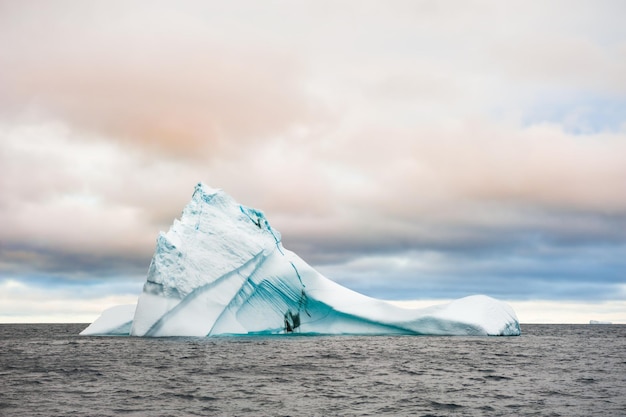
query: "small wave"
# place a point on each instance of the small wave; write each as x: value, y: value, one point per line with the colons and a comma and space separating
x: 446, y: 406
x: 586, y: 380
x: 496, y: 377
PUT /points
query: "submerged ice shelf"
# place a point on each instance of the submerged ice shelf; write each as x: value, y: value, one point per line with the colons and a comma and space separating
x: 222, y: 270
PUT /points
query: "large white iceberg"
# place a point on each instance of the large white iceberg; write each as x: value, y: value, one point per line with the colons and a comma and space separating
x: 222, y: 270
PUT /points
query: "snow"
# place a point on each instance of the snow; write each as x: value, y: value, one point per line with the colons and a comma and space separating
x: 221, y: 269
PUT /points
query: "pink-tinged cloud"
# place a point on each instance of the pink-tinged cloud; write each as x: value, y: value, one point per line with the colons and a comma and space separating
x: 168, y: 86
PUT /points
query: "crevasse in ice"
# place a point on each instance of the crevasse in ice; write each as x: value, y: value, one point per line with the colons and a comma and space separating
x: 222, y: 270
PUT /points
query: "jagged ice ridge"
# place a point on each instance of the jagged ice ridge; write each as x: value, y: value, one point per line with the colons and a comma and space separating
x: 222, y: 270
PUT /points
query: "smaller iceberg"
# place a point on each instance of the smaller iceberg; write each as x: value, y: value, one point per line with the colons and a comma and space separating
x: 599, y: 322
x: 222, y: 270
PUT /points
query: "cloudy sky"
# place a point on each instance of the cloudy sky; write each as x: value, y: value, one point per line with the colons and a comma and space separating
x: 410, y: 150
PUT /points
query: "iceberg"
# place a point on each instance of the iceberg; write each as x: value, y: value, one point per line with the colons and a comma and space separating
x: 222, y: 270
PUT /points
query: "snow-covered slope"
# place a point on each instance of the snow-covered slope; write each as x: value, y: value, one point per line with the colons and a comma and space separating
x: 221, y: 269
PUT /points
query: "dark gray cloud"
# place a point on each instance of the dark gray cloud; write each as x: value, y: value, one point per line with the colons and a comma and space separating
x: 531, y: 230
x: 22, y: 260
x: 584, y: 273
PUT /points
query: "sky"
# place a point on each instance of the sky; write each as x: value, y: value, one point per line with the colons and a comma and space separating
x: 409, y: 150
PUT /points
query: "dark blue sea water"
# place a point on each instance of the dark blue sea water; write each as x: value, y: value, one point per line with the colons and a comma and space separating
x: 551, y: 370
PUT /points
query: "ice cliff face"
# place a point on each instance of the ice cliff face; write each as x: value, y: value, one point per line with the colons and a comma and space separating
x: 221, y: 269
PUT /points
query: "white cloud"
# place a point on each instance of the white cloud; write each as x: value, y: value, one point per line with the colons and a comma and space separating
x: 26, y: 303
x: 569, y: 312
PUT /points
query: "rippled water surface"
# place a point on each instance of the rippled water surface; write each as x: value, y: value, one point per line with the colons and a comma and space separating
x: 568, y: 370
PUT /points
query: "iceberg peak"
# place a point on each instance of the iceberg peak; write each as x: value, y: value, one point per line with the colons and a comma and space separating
x: 222, y: 269
x: 205, y: 189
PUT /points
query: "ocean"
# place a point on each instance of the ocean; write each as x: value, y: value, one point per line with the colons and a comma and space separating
x: 551, y: 370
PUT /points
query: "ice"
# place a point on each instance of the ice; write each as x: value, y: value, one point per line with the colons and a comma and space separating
x: 222, y: 270
x: 113, y: 321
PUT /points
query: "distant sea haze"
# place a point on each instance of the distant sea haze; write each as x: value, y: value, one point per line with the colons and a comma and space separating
x: 568, y: 370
